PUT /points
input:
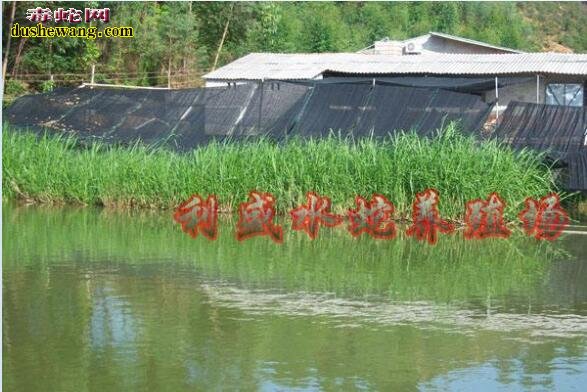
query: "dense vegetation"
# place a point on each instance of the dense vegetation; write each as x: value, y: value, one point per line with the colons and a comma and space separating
x: 53, y: 169
x: 184, y: 38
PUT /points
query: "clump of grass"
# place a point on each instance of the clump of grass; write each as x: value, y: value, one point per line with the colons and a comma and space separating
x: 57, y: 169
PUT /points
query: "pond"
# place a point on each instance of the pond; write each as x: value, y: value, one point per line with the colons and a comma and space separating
x: 101, y: 300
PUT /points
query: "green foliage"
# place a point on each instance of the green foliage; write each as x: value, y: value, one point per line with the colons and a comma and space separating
x: 320, y: 28
x: 47, y: 86
x: 14, y: 87
x: 446, y: 16
x: 12, y: 90
x: 558, y: 22
x: 186, y: 35
x: 271, y: 31
x: 54, y: 169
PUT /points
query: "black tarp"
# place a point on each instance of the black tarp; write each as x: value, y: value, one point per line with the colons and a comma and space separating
x: 469, y: 85
x: 577, y: 164
x: 560, y: 131
x: 184, y: 119
x: 423, y: 110
x: 272, y: 109
x: 332, y: 107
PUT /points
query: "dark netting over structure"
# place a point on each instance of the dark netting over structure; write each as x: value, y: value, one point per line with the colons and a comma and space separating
x: 424, y: 110
x: 273, y: 109
x: 336, y: 107
x: 560, y: 131
x: 458, y: 84
x: 577, y: 170
x: 184, y: 119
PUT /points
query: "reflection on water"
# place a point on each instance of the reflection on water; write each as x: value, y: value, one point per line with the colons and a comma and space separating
x: 95, y: 300
x: 561, y: 376
x: 111, y: 323
x: 457, y: 318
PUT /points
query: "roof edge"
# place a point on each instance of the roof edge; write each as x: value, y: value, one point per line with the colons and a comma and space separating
x: 471, y: 41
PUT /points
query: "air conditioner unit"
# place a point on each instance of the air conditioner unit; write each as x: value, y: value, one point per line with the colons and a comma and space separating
x: 412, y: 48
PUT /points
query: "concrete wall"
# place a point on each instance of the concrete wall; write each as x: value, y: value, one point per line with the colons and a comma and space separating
x: 432, y: 44
x: 388, y: 47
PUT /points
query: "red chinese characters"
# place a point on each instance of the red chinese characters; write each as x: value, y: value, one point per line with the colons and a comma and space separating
x: 39, y: 14
x: 100, y: 14
x: 256, y: 218
x: 315, y: 212
x: 544, y: 219
x: 372, y: 217
x: 196, y: 215
x: 484, y: 218
x: 427, y: 221
x: 70, y: 15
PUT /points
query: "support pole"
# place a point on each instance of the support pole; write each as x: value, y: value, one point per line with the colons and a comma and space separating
x: 537, y: 88
x: 497, y: 100
x: 169, y: 73
x: 260, y: 103
x: 93, y: 73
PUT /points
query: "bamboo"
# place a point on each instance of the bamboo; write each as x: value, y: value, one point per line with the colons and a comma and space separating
x: 222, y: 40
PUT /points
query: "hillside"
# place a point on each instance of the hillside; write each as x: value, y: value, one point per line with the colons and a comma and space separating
x: 562, y: 25
x: 185, y: 40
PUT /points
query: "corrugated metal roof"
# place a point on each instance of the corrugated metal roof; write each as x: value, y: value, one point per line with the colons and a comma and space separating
x: 257, y: 66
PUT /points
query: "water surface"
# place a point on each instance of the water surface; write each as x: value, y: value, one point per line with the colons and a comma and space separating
x: 97, y: 300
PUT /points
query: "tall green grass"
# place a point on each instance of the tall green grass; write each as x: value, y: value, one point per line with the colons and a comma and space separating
x: 58, y: 169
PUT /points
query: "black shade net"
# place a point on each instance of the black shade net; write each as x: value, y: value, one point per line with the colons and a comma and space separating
x: 332, y: 107
x: 184, y: 119
x: 423, y: 110
x: 560, y: 131
x: 470, y: 85
x: 273, y: 109
x: 577, y: 170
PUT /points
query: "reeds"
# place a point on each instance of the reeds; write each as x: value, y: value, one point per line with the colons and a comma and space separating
x: 57, y: 169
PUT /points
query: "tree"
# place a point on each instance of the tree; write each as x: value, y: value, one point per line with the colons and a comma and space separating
x: 446, y: 16
x: 7, y: 50
x: 272, y: 31
x: 320, y: 33
x: 177, y: 31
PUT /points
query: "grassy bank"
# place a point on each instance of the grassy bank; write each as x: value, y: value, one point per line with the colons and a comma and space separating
x: 52, y: 169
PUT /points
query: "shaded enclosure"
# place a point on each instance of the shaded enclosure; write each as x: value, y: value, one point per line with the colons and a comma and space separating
x: 184, y: 119
x: 560, y: 131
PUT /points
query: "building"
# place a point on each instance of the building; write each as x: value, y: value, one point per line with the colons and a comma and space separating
x: 434, y: 42
x: 433, y: 59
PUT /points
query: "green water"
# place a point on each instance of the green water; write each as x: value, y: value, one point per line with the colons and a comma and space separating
x: 101, y: 301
